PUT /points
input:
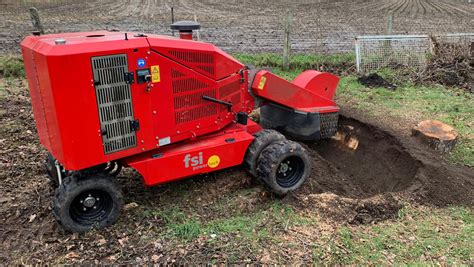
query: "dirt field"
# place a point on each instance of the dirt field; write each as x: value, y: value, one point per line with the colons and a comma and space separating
x: 243, y: 26
x: 363, y: 187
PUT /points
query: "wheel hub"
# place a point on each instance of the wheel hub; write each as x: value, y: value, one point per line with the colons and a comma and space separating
x: 91, y: 206
x: 284, y: 168
x: 290, y: 171
x: 89, y: 202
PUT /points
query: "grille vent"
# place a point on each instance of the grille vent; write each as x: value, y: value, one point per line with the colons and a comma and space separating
x: 188, y: 84
x: 231, y: 93
x: 176, y: 74
x: 193, y: 57
x: 114, y: 102
x: 229, y: 89
x: 202, y: 62
x: 195, y: 113
x: 187, y: 98
x: 192, y: 99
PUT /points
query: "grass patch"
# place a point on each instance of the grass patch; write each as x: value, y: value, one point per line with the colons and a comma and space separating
x: 252, y: 227
x: 11, y: 67
x: 423, y: 235
x: 339, y: 63
x: 420, y: 235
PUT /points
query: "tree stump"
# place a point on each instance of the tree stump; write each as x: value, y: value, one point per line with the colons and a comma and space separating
x: 439, y: 136
x: 346, y: 138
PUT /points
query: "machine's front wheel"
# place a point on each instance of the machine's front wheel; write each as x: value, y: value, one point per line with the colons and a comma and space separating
x: 283, y: 166
x: 261, y: 141
x: 84, y: 202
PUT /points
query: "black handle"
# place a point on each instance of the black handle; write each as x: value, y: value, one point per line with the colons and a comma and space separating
x: 212, y: 99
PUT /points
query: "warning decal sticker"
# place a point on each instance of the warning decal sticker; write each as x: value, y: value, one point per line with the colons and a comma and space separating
x: 155, y: 74
x: 261, y: 84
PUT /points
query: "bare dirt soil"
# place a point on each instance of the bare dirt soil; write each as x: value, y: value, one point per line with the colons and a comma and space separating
x: 346, y: 186
x: 243, y: 26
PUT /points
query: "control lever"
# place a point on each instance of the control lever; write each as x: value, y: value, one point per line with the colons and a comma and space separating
x: 149, y: 84
x: 212, y: 99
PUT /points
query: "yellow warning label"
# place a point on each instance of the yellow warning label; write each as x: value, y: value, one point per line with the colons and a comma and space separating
x: 155, y: 74
x: 213, y: 161
x: 261, y: 84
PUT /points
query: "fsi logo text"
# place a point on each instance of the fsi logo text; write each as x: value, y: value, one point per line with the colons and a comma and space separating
x: 196, y: 162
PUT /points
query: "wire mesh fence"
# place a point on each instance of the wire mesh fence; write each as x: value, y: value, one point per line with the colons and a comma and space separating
x: 391, y: 51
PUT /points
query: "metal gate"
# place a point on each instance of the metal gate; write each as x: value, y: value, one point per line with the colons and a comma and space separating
x: 114, y: 102
x: 408, y: 51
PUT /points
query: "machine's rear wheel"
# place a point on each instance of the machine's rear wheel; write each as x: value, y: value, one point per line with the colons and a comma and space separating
x: 261, y: 141
x: 283, y: 166
x: 85, y: 202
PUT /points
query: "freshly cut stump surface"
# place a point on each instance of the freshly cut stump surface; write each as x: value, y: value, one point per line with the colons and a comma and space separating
x: 438, y: 135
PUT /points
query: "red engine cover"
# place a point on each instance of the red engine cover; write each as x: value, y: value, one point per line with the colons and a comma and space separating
x: 87, y: 113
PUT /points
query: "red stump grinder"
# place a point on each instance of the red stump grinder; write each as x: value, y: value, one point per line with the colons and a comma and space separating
x: 169, y: 108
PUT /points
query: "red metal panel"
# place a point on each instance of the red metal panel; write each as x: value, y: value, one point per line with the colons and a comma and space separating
x: 218, y: 151
x: 321, y: 83
x: 204, y: 58
x: 69, y: 102
x: 65, y: 76
x: 35, y: 94
x: 271, y: 87
x: 179, y: 110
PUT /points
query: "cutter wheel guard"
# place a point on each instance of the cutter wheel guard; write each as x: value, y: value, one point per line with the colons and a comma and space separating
x: 168, y: 107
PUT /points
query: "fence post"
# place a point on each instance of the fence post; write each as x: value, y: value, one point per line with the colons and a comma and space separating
x: 198, y: 36
x: 172, y: 19
x: 387, y: 47
x: 389, y: 24
x: 287, y: 42
x: 472, y: 63
x: 358, y: 55
x: 35, y: 20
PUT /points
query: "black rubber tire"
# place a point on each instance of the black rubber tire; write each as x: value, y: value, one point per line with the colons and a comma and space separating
x: 269, y: 167
x: 66, y: 207
x: 261, y: 141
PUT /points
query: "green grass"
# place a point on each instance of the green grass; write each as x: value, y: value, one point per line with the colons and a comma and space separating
x: 11, y: 66
x: 188, y: 226
x: 421, y: 236
x: 298, y: 61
